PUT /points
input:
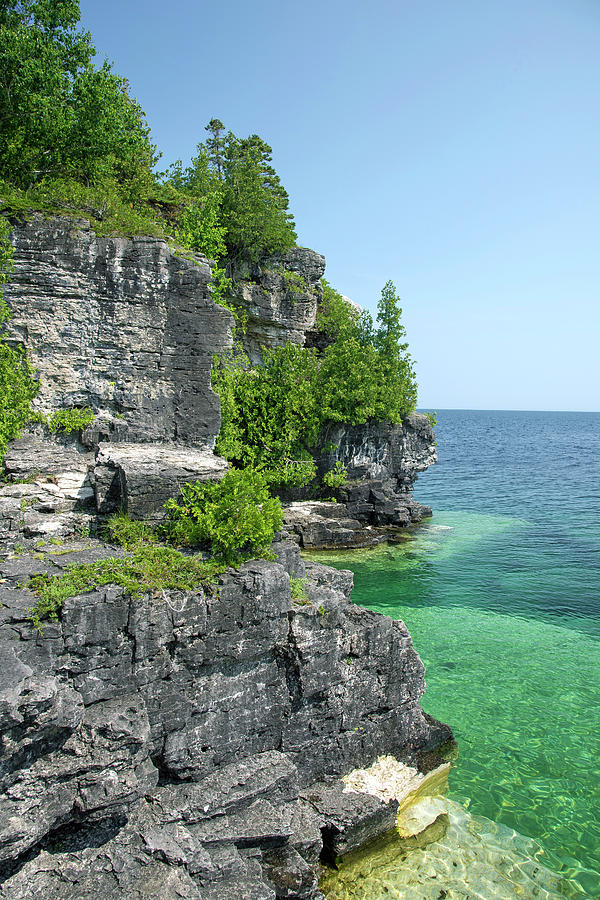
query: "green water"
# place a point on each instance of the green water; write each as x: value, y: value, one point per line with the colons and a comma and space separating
x: 518, y: 684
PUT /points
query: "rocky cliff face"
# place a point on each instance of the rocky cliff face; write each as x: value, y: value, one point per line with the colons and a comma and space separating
x: 169, y: 743
x: 279, y: 297
x: 382, y: 461
x: 121, y: 325
x: 176, y: 745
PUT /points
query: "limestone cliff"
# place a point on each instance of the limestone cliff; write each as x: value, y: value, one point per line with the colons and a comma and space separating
x: 279, y: 298
x: 175, y: 745
x: 167, y: 740
x: 121, y: 325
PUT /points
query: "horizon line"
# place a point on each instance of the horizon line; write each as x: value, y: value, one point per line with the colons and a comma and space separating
x: 499, y: 409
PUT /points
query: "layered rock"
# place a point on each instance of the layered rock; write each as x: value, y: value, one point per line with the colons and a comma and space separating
x: 235, y: 701
x: 382, y: 461
x: 118, y: 324
x: 169, y: 745
x: 279, y: 298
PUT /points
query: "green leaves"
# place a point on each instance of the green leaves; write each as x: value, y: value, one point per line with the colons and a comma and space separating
x: 236, y: 516
x: 59, y: 114
x: 272, y: 414
x: 233, y: 187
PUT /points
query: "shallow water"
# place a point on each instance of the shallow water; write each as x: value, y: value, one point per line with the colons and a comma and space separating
x: 501, y: 593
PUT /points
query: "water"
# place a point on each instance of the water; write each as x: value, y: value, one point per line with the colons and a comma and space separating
x: 501, y: 593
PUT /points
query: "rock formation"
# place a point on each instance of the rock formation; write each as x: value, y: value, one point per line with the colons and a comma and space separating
x: 382, y: 462
x: 279, y: 297
x: 121, y: 325
x: 177, y: 745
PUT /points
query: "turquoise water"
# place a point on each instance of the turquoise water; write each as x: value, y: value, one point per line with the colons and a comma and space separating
x: 501, y: 593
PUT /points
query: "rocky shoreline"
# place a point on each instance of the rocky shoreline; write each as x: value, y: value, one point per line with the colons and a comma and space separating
x: 184, y: 743
x: 195, y: 742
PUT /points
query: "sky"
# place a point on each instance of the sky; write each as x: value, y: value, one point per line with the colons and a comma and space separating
x: 452, y: 147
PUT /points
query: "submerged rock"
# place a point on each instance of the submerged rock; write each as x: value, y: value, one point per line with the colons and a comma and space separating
x: 459, y: 856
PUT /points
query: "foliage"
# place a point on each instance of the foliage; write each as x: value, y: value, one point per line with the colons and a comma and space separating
x: 335, y: 316
x: 68, y: 420
x: 294, y: 282
x: 102, y: 203
x: 366, y: 373
x: 18, y: 386
x: 128, y: 533
x: 336, y: 476
x: 236, y: 516
x: 60, y: 114
x: 298, y: 588
x: 149, y: 570
x: 234, y: 189
x: 270, y: 415
x: 432, y: 416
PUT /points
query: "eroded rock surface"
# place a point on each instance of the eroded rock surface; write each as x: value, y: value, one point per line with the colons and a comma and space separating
x: 382, y: 461
x: 169, y: 743
x: 279, y: 297
x: 119, y: 324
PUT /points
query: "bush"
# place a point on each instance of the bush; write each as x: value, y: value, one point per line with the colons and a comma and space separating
x: 68, y: 420
x: 128, y: 533
x: 270, y: 415
x: 236, y: 516
x: 336, y: 476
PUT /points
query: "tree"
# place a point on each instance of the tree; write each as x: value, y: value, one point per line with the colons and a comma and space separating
x: 215, y: 145
x: 236, y: 177
x: 255, y: 203
x: 60, y: 115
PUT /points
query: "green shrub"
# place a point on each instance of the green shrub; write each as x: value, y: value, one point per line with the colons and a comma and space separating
x: 336, y: 476
x: 294, y: 282
x: 68, y: 420
x: 128, y: 533
x: 298, y: 588
x: 236, y: 516
x: 150, y: 569
x: 334, y: 314
x: 270, y: 414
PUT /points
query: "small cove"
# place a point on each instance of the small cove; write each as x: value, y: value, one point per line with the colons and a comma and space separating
x: 501, y: 593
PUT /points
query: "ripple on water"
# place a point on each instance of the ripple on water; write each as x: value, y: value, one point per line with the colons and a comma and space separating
x: 459, y: 856
x: 516, y: 675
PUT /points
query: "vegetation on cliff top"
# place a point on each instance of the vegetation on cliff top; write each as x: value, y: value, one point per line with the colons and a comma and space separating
x: 272, y: 414
x: 73, y: 140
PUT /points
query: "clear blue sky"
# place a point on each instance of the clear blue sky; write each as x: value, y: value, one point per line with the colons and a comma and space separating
x: 450, y: 146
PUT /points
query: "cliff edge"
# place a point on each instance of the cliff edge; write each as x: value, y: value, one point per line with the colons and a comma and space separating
x: 175, y: 743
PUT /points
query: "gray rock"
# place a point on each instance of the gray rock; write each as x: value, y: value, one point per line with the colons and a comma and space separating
x: 235, y: 697
x: 349, y: 820
x: 119, y: 324
x: 380, y: 451
x: 279, y: 297
x: 139, y: 478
